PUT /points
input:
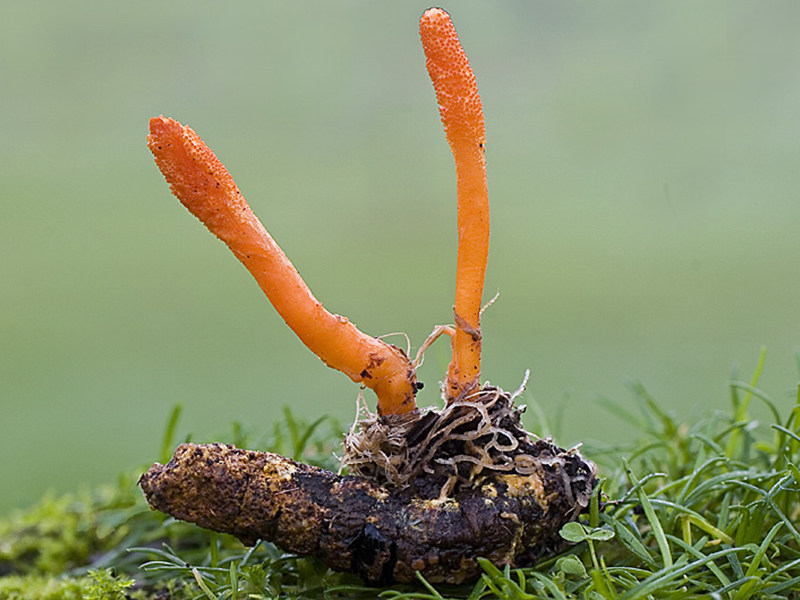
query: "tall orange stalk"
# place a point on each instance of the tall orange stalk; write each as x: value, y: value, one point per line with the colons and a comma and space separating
x: 204, y: 186
x: 462, y: 116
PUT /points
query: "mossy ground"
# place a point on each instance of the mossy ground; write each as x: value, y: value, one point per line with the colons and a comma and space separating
x: 707, y: 509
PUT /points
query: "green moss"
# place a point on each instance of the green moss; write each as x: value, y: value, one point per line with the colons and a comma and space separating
x: 41, y: 587
x: 106, y: 586
x: 63, y: 533
x: 96, y: 585
x: 54, y: 536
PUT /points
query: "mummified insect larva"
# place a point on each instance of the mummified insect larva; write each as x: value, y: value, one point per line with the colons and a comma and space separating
x: 354, y: 525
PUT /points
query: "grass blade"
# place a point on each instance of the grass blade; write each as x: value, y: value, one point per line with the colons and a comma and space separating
x: 652, y: 518
x: 665, y: 577
x: 169, y: 433
x: 203, y: 586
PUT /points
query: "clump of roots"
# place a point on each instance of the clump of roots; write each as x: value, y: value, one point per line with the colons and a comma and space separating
x: 452, y: 449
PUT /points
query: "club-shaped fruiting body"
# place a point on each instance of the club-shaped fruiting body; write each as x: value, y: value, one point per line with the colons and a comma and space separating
x: 462, y: 116
x: 202, y: 183
x: 204, y: 186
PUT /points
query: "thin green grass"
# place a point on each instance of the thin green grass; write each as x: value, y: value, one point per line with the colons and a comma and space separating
x: 708, y: 509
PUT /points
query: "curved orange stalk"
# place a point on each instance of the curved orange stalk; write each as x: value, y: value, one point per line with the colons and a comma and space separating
x: 205, y: 187
x: 462, y: 116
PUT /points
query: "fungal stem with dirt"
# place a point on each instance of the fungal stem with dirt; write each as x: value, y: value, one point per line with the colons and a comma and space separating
x: 462, y: 116
x: 204, y: 186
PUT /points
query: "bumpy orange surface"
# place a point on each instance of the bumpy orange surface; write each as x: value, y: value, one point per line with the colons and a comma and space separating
x: 462, y: 116
x: 204, y: 186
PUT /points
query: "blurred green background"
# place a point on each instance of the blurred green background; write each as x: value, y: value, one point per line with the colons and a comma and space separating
x: 643, y: 171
